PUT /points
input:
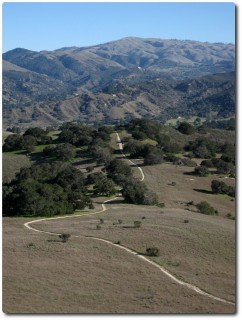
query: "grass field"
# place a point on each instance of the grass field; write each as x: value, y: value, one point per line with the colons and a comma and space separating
x: 42, y: 274
x: 188, y: 187
x: 12, y: 162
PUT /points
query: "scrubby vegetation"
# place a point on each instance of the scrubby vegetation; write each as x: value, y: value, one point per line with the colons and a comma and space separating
x: 52, y: 187
x: 222, y: 188
x: 205, y: 208
x: 152, y: 252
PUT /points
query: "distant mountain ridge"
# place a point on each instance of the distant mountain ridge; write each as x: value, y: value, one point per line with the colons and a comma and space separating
x: 32, y: 79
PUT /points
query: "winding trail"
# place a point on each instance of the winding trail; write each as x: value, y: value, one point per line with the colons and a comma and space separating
x: 133, y: 252
x: 120, y: 145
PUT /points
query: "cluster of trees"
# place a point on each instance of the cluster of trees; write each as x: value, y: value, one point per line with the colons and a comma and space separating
x: 229, y: 124
x: 186, y: 128
x: 62, y: 152
x: 133, y: 190
x: 150, y: 153
x: 46, y: 189
x: 201, y: 148
x: 27, y: 141
x: 222, y: 188
x: 83, y: 135
x: 222, y: 166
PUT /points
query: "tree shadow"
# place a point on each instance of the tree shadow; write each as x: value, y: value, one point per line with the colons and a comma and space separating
x: 38, y: 157
x: 81, y: 162
x: 190, y: 173
x: 203, y: 191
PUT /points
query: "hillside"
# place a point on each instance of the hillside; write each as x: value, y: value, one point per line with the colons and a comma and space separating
x: 155, y: 99
x: 36, y: 82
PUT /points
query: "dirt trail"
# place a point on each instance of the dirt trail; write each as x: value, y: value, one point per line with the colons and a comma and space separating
x: 120, y: 145
x: 104, y: 208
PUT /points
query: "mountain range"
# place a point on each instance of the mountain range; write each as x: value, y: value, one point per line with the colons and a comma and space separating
x: 131, y: 77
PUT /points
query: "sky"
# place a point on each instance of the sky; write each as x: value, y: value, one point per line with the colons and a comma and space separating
x: 48, y: 26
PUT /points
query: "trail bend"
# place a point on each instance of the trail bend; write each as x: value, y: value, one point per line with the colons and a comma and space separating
x: 131, y: 251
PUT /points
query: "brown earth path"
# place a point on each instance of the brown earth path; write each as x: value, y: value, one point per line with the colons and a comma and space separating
x: 104, y: 208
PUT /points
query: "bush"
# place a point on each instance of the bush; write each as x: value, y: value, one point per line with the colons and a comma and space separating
x: 186, y: 221
x: 222, y: 188
x: 91, y: 206
x: 101, y: 221
x: 201, y: 171
x: 65, y: 237
x: 205, y: 208
x: 230, y: 216
x: 135, y: 191
x: 185, y: 162
x: 153, y: 157
x: 104, y: 187
x: 152, y: 252
x: 120, y: 221
x: 207, y: 163
x: 137, y: 224
x: 186, y: 128
x: 171, y: 157
x: 98, y: 227
x: 173, y: 183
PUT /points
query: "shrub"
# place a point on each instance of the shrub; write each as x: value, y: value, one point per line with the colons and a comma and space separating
x: 120, y: 221
x: 137, y: 224
x: 91, y: 206
x: 201, y: 171
x: 186, y: 221
x: 143, y: 217
x: 207, y: 163
x: 186, y: 162
x: 98, y: 227
x: 171, y: 157
x: 101, y: 221
x: 230, y: 216
x: 173, y: 183
x: 205, y: 208
x: 222, y: 188
x: 64, y: 237
x: 152, y: 252
x: 31, y: 245
x: 104, y: 187
x: 186, y: 128
x: 154, y: 156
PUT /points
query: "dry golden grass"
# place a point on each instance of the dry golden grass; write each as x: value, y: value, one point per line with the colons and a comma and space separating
x: 188, y: 187
x: 43, y: 275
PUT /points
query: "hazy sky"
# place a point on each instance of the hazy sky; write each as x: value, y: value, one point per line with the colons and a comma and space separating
x: 49, y: 26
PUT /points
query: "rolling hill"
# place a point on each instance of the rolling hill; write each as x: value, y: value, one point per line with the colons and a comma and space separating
x: 48, y: 87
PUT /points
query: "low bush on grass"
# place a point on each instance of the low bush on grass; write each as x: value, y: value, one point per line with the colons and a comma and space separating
x: 205, y: 208
x: 230, y: 216
x: 152, y: 252
x: 137, y: 224
x: 64, y: 237
x: 201, y: 171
